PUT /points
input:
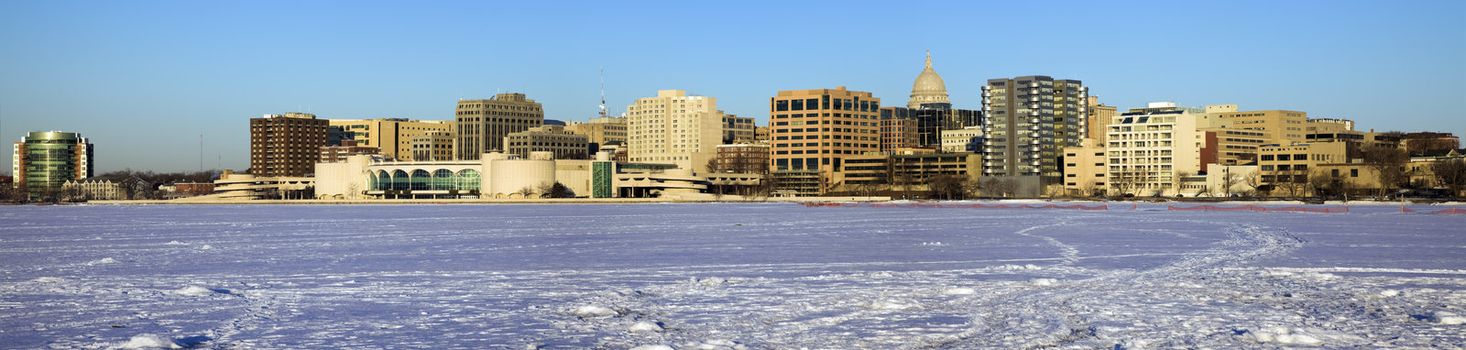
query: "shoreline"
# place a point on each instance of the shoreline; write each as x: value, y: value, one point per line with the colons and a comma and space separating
x: 573, y: 201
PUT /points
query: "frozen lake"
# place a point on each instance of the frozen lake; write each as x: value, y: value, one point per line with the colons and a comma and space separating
x: 727, y: 276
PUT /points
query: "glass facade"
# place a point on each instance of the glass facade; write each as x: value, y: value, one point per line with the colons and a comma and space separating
x: 463, y: 181
x: 49, y: 159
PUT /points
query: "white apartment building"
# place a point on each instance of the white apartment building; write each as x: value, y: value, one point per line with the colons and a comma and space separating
x: 962, y: 140
x: 1150, y: 148
x: 674, y: 128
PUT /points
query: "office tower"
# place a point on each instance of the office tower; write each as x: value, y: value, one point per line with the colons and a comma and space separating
x: 285, y: 144
x: 42, y: 161
x: 813, y: 130
x: 737, y: 129
x: 391, y: 136
x: 547, y: 138
x: 930, y: 120
x: 742, y: 158
x: 482, y: 124
x: 1098, y: 121
x: 674, y: 128
x: 928, y: 88
x: 1028, y: 120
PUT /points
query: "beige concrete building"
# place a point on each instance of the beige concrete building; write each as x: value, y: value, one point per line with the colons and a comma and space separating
x: 1328, y: 125
x: 1283, y: 126
x: 1099, y: 119
x: 674, y: 128
x: 391, y: 136
x: 761, y: 134
x: 814, y: 130
x: 1150, y: 148
x: 1086, y: 169
x: 737, y: 129
x: 285, y: 144
x: 1228, y: 147
x: 905, y: 171
x: 898, y: 133
x: 601, y: 131
x: 482, y: 124
x: 433, y: 146
x: 968, y: 139
x: 548, y: 138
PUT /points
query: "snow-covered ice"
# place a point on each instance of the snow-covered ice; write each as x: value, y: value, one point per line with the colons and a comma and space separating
x: 727, y: 276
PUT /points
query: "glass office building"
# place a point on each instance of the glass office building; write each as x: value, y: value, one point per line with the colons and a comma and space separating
x: 43, y: 160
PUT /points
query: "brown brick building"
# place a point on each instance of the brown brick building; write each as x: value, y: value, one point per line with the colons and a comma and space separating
x: 285, y: 144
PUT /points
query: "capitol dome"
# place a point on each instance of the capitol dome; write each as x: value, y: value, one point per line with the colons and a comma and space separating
x: 928, y: 88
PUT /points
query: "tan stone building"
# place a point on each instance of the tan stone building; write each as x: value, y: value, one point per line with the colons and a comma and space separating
x: 1099, y: 119
x: 1086, y: 169
x: 674, y: 128
x: 601, y: 131
x: 1286, y: 168
x: 285, y: 144
x: 898, y: 133
x: 433, y: 146
x: 1228, y: 147
x: 391, y: 136
x: 1283, y: 126
x: 482, y: 124
x: 814, y: 130
x: 548, y: 138
x: 905, y: 171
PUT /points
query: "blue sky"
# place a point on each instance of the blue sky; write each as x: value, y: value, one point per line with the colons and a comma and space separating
x: 144, y: 79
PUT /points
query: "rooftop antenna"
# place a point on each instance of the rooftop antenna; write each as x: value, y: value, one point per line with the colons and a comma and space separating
x: 603, y: 92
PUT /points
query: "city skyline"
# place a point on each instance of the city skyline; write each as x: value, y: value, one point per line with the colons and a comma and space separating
x: 156, y: 75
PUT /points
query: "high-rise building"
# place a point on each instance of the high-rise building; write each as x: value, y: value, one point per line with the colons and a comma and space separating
x: 931, y: 119
x: 391, y: 136
x: 482, y: 124
x: 674, y: 128
x: 1098, y: 121
x: 547, y: 138
x: 1028, y: 120
x: 42, y: 161
x: 737, y: 129
x: 928, y: 88
x: 1151, y: 148
x: 813, y: 130
x: 285, y: 144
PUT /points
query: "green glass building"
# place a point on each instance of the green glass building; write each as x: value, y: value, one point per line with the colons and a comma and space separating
x: 43, y: 160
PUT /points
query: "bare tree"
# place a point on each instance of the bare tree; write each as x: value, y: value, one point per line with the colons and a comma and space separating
x: 1229, y: 180
x: 947, y: 187
x: 525, y: 192
x: 1451, y: 174
x: 1388, y: 163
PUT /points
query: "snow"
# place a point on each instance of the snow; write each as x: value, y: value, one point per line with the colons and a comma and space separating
x: 728, y: 276
x: 149, y: 341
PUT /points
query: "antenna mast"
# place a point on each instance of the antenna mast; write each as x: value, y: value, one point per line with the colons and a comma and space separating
x: 603, y: 92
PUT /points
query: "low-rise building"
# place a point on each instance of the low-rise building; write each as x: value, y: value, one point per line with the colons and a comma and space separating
x: 548, y: 138
x: 968, y: 139
x: 433, y: 146
x: 88, y: 190
x: 333, y: 154
x: 1085, y: 169
x: 741, y: 158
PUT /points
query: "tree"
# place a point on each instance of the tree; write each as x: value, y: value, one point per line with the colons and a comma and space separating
x: 1388, y: 163
x: 1229, y: 180
x: 1001, y: 187
x: 525, y: 192
x: 559, y: 190
x: 948, y: 187
x: 1450, y: 173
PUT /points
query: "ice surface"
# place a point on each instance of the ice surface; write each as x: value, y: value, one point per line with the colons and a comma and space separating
x: 727, y: 276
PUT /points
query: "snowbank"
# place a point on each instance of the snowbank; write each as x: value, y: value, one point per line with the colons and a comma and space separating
x: 645, y: 327
x: 595, y: 311
x: 194, y: 291
x: 149, y: 341
x: 652, y: 347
